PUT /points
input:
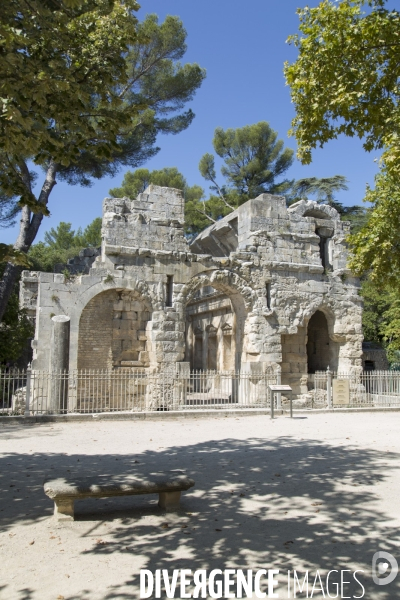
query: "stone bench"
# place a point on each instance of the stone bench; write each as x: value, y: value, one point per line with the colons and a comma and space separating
x: 64, y: 492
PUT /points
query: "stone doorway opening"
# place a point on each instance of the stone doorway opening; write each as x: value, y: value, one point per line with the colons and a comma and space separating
x: 322, y: 351
x: 212, y: 336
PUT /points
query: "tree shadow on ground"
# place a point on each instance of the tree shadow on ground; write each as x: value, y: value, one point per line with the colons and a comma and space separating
x: 258, y: 503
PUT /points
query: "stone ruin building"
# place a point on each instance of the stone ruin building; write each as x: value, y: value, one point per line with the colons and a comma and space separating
x: 264, y: 288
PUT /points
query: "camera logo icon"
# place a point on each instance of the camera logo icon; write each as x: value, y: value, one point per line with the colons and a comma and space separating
x: 381, y: 563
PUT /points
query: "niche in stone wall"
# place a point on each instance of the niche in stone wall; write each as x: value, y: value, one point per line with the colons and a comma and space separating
x: 113, y: 331
x: 211, y: 331
x: 325, y: 246
x: 322, y: 352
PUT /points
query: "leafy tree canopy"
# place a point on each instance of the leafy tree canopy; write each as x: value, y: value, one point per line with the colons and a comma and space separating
x: 253, y: 160
x: 135, y: 182
x: 15, y: 331
x: 63, y: 236
x: 52, y: 89
x: 92, y: 234
x: 345, y: 80
x: 95, y: 101
x: 62, y: 243
x: 376, y: 247
x: 45, y: 258
x: 381, y: 316
x: 323, y: 188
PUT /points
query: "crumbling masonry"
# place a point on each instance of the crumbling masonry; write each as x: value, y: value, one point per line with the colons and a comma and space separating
x: 264, y: 288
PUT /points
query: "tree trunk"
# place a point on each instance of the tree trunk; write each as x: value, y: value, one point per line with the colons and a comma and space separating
x: 29, y: 226
x: 6, y: 286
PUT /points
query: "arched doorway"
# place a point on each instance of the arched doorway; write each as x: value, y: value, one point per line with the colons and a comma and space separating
x: 113, y: 331
x: 322, y: 352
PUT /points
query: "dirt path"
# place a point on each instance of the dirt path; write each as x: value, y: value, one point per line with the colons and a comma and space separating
x: 318, y: 492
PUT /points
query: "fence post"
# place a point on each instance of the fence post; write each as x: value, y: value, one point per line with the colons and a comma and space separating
x: 28, y: 390
x: 279, y: 395
x: 329, y: 387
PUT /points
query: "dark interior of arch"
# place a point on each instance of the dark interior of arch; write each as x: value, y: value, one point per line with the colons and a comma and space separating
x: 322, y: 352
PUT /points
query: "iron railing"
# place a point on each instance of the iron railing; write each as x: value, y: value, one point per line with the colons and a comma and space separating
x: 33, y: 392
x: 359, y: 389
x: 95, y: 391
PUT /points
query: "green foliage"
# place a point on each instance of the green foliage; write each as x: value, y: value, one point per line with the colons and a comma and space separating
x: 16, y: 257
x: 200, y: 213
x: 85, y: 106
x: 92, y: 234
x: 135, y: 182
x: 381, y: 316
x: 57, y: 97
x: 61, y: 238
x: 324, y: 189
x: 357, y: 216
x: 44, y: 258
x: 345, y: 79
x: 62, y: 243
x: 253, y: 160
x: 15, y: 330
x: 376, y: 246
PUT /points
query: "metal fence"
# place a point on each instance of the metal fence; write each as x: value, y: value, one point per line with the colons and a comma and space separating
x: 12, y: 389
x: 88, y: 391
x: 356, y: 389
x: 126, y: 390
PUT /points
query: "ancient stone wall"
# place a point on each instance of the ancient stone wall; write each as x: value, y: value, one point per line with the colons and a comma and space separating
x: 245, y: 291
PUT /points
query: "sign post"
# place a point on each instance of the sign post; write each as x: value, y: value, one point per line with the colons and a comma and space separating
x: 276, y: 389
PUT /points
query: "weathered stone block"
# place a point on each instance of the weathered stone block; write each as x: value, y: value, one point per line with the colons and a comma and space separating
x: 144, y: 243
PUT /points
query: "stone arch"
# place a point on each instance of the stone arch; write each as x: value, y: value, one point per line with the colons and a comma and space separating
x: 329, y: 314
x: 308, y: 208
x: 224, y: 280
x: 128, y: 284
x: 295, y: 359
x: 221, y: 343
x: 322, y: 350
x: 85, y: 293
x: 113, y: 330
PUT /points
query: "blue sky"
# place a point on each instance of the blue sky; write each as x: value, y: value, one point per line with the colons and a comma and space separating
x: 243, y: 47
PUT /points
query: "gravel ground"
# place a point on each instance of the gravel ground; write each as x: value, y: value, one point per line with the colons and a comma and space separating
x: 316, y: 492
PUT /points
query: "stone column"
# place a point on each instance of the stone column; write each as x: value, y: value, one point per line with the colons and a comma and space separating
x: 189, y: 349
x: 205, y: 350
x: 220, y: 349
x: 59, y: 364
x: 235, y: 343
